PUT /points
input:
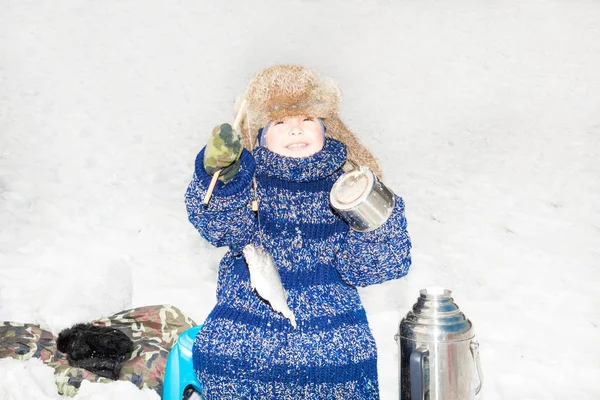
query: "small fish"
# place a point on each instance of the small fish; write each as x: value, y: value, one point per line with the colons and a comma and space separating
x: 265, y: 279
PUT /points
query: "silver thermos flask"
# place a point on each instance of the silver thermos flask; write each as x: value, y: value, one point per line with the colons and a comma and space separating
x: 438, y: 354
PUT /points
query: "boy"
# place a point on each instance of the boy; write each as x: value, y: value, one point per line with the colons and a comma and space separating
x: 294, y: 151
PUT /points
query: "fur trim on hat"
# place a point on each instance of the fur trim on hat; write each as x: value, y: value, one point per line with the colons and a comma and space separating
x: 357, y: 152
x: 287, y: 90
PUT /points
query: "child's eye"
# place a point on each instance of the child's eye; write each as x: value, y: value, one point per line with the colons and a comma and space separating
x: 278, y: 122
x: 308, y: 119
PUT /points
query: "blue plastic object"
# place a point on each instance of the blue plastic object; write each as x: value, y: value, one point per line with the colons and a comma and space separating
x: 180, y: 375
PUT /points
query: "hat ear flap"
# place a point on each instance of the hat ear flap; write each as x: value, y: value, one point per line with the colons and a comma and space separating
x: 357, y: 152
x: 244, y: 123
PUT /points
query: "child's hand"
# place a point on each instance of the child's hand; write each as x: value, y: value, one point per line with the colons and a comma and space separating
x: 223, y: 152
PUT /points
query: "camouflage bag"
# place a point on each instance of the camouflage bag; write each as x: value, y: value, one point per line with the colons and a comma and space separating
x: 153, y: 330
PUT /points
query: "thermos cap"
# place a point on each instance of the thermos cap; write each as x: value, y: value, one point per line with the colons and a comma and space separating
x: 361, y: 200
x: 351, y: 188
x: 435, y: 317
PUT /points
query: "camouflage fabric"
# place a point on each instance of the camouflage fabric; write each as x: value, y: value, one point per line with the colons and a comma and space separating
x: 26, y: 341
x: 223, y: 152
x: 153, y: 330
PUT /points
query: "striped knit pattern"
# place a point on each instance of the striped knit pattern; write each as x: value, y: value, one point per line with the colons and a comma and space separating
x: 245, y: 349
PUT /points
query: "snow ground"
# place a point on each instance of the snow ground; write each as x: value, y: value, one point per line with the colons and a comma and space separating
x: 485, y: 117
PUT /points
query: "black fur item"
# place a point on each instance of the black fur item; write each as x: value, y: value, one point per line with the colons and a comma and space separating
x: 99, y: 349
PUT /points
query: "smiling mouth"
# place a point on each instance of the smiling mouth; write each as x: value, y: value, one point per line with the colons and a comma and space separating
x: 296, y: 145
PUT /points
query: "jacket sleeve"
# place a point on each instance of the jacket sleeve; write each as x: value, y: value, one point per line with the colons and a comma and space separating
x: 367, y: 258
x: 228, y: 220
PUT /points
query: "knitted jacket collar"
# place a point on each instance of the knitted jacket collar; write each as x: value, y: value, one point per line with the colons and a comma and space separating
x: 305, y: 169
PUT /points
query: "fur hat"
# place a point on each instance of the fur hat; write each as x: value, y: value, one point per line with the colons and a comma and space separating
x: 287, y: 90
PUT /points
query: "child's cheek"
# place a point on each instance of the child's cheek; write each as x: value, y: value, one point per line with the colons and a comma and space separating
x: 320, y: 141
x: 276, y: 147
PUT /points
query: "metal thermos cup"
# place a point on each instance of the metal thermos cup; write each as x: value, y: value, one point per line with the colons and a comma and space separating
x: 438, y: 354
x: 362, y: 200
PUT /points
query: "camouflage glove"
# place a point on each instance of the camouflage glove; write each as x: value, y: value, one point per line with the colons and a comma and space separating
x: 223, y: 151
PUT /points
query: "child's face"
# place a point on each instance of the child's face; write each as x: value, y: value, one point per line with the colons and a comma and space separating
x: 299, y: 136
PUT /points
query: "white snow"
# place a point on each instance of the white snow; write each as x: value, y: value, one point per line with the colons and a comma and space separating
x: 485, y: 117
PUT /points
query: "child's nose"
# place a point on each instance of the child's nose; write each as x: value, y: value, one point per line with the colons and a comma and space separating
x: 296, y: 127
